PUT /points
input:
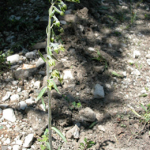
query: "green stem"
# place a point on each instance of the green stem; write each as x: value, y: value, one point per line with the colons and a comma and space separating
x: 48, y: 75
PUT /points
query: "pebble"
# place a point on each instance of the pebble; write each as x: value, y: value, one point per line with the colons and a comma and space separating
x: 91, y: 49
x: 98, y: 91
x: 28, y: 140
x: 87, y: 114
x: 37, y: 84
x: 14, y: 98
x: 31, y: 55
x: 74, y: 132
x: 13, y: 58
x: 7, y: 96
x: 67, y: 74
x: 22, y: 105
x: 16, y: 147
x: 148, y: 62
x: 136, y: 54
x: 9, y: 115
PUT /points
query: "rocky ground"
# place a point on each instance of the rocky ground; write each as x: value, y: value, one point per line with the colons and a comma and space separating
x: 105, y: 69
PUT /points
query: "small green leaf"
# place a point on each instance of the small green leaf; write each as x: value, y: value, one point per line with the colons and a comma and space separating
x: 143, y: 107
x: 55, y: 86
x: 93, y: 124
x: 49, y: 51
x: 42, y: 56
x: 48, y: 145
x: 143, y: 95
x: 59, y: 133
x: 43, y: 103
x: 41, y: 93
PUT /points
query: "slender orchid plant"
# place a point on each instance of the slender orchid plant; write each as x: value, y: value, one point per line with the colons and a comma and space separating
x: 56, y: 7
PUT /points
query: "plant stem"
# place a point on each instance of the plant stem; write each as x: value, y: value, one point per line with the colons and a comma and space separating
x: 48, y: 75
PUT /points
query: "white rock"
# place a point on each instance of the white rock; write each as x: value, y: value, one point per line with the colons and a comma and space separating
x: 136, y: 54
x: 136, y: 72
x: 13, y: 58
x: 98, y: 91
x: 9, y: 115
x: 6, y: 97
x: 28, y: 140
x: 19, y: 90
x: 22, y: 105
x: 37, y: 84
x: 148, y: 62
x: 91, y: 49
x: 131, y: 62
x: 29, y: 101
x: 74, y: 132
x: 14, y: 98
x: 148, y: 56
x: 30, y: 55
x: 67, y: 74
x: 7, y: 141
x: 100, y: 127
x: 16, y: 147
x: 40, y: 62
x: 19, y: 142
x: 15, y: 82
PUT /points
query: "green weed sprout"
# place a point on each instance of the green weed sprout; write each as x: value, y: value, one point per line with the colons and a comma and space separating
x: 86, y: 144
x: 59, y: 7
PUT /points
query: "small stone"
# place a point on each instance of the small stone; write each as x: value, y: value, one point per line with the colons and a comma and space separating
x: 13, y: 58
x: 16, y: 147
x: 1, y: 112
x: 19, y: 90
x: 136, y: 72
x: 28, y: 140
x: 9, y: 115
x: 19, y: 142
x: 91, y: 49
x: 37, y: 84
x: 68, y: 74
x: 100, y: 127
x: 136, y: 54
x: 22, y: 105
x: 31, y: 55
x: 74, y: 132
x: 98, y: 91
x: 7, y: 96
x: 14, y: 98
x: 87, y: 114
x: 7, y: 141
x: 40, y: 62
x: 29, y: 101
x: 148, y: 56
x: 15, y: 82
x: 148, y: 62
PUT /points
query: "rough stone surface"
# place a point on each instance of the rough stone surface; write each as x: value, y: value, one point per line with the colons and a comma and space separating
x: 40, y: 120
x: 74, y: 132
x: 37, y: 84
x: 87, y: 114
